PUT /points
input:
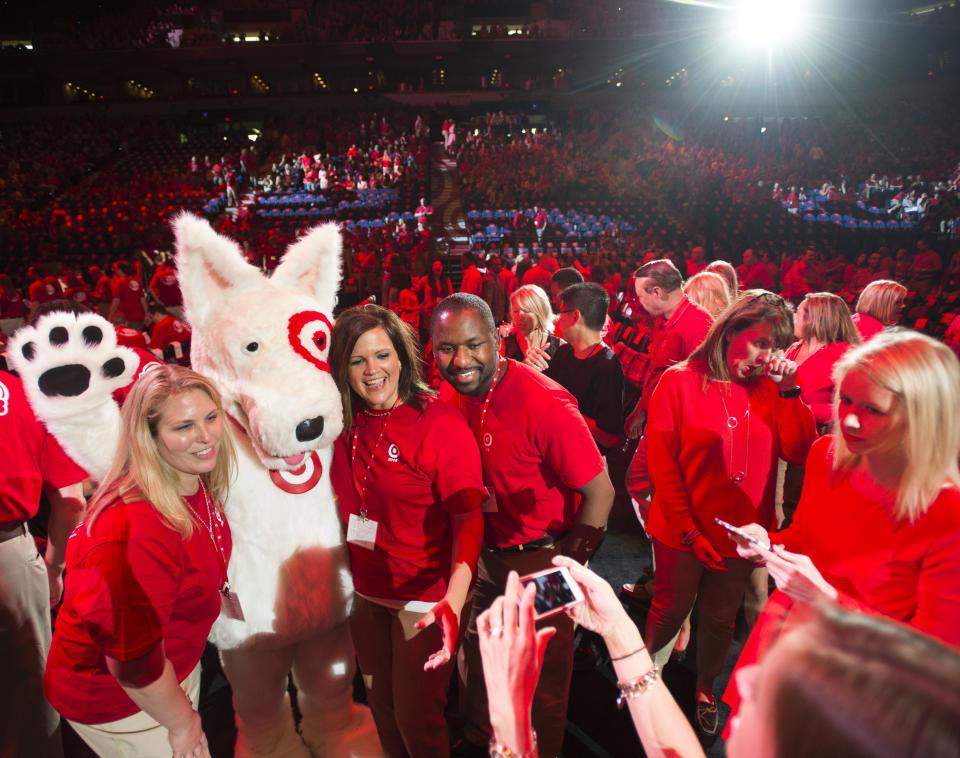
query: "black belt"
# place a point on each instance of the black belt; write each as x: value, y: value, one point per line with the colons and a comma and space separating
x: 12, y: 531
x: 547, y: 540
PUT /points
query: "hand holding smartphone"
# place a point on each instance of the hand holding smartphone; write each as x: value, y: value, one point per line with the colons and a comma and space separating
x: 743, y: 535
x: 556, y: 591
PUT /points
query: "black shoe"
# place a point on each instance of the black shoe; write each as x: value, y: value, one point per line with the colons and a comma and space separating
x: 707, y: 718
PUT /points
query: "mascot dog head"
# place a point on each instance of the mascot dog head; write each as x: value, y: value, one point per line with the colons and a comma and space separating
x: 264, y: 341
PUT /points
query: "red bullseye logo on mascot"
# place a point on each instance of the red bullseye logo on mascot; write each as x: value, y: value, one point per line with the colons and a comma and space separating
x: 309, y: 336
x: 302, y: 479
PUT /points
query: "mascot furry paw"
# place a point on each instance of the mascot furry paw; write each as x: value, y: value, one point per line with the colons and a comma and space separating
x: 70, y: 364
x: 264, y: 342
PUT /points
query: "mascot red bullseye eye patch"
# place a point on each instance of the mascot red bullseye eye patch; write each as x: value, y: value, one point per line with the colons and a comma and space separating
x: 309, y: 335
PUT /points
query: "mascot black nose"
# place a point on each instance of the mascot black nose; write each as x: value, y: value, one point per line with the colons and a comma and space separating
x: 310, y: 429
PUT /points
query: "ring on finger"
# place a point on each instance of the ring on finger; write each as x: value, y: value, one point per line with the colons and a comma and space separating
x: 496, y: 631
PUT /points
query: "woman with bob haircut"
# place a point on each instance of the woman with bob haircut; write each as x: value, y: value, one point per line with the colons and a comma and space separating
x: 710, y: 290
x: 841, y: 684
x: 532, y: 339
x: 407, y: 475
x: 878, y: 525
x: 880, y: 305
x: 147, y: 575
x: 824, y: 332
x: 718, y: 424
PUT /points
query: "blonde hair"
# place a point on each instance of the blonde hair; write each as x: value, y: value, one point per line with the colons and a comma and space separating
x: 532, y: 299
x: 924, y: 375
x: 138, y: 468
x: 826, y: 318
x: 709, y: 290
x: 879, y: 298
x: 728, y: 272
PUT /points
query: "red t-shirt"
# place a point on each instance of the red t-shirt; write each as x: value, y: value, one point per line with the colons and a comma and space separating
x: 104, y: 289
x: 130, y: 294
x: 815, y: 377
x: 756, y: 277
x: 30, y: 456
x: 692, y: 454
x: 866, y: 325
x: 79, y: 295
x: 131, y: 585
x: 165, y: 287
x: 538, y: 451
x: 425, y: 469
x: 127, y: 336
x: 11, y: 304
x: 166, y: 331
x: 44, y: 290
x: 673, y: 341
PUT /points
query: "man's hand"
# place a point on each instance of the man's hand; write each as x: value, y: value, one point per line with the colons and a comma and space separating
x: 55, y: 582
x: 537, y: 357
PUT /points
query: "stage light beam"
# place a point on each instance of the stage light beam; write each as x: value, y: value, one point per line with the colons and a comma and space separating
x: 767, y: 23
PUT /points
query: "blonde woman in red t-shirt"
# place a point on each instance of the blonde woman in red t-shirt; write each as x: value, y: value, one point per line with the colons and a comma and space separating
x: 146, y: 576
x: 878, y: 526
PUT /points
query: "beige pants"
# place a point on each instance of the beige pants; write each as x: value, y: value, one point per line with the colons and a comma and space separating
x: 136, y: 736
x: 29, y: 727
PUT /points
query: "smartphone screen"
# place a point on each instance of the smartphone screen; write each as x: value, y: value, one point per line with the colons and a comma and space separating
x: 555, y: 591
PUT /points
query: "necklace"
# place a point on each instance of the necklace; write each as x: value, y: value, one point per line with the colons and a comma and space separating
x: 361, y: 486
x: 215, y: 539
x: 733, y: 423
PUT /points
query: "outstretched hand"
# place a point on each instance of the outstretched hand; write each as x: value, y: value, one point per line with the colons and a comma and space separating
x: 601, y: 610
x: 449, y: 621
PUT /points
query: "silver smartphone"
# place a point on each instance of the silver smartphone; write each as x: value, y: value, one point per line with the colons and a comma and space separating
x: 556, y: 590
x: 740, y: 533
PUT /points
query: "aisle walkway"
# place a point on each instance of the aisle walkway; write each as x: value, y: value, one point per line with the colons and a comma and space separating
x: 449, y: 221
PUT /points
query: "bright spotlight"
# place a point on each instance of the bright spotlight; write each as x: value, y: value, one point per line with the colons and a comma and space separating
x: 768, y: 22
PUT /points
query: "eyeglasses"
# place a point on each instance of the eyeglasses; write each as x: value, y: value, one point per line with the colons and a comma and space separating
x: 560, y: 313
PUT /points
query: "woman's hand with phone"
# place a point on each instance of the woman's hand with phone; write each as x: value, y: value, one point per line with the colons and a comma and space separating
x: 752, y: 540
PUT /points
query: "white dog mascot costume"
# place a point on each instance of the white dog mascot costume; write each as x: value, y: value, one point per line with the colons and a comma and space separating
x: 264, y: 344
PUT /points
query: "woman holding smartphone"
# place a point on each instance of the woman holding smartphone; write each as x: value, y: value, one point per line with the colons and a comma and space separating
x: 718, y: 423
x: 878, y: 526
x: 841, y: 684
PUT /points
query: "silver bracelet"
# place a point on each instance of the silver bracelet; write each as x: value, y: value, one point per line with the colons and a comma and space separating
x: 636, y: 687
x: 499, y: 750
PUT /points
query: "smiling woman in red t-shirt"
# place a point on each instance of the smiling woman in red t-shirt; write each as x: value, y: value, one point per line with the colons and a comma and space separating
x: 146, y: 575
x: 407, y: 475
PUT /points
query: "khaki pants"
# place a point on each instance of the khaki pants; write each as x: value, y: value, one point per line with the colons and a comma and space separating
x: 136, y: 736
x: 29, y: 727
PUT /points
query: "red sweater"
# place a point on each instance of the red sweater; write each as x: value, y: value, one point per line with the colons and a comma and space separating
x: 909, y: 572
x: 691, y: 450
